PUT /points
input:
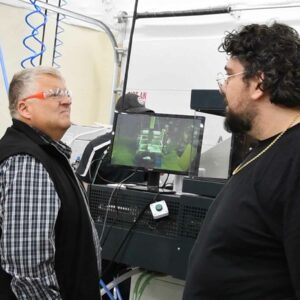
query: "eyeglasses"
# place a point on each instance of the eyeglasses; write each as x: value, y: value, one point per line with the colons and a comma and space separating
x: 223, y: 78
x: 55, y: 94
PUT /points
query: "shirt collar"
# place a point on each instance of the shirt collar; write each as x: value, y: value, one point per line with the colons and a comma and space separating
x: 39, y: 136
x: 59, y: 145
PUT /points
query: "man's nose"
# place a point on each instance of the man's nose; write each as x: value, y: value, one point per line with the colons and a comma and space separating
x: 66, y: 100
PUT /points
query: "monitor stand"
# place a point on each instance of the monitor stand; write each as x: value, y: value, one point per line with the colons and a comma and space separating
x: 152, y: 185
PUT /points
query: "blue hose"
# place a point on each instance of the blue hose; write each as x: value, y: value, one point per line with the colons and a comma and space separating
x: 109, y: 294
x: 4, y: 71
x: 119, y: 294
x: 33, y: 35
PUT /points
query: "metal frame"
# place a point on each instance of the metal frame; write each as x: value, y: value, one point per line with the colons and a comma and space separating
x: 83, y: 18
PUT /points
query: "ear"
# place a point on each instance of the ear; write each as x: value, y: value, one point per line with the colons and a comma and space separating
x: 257, y: 92
x: 23, y: 109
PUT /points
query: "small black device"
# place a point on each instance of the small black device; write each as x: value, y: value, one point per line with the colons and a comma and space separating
x: 157, y: 143
x: 208, y: 101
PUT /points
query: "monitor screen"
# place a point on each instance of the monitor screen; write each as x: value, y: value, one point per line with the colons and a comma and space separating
x: 157, y: 142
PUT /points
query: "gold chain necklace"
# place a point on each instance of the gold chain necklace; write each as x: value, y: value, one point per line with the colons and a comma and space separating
x: 243, y: 165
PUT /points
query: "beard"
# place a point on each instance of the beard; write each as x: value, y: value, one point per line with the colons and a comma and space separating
x: 237, y: 123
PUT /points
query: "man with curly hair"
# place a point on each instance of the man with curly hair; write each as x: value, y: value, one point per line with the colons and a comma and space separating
x: 249, y: 244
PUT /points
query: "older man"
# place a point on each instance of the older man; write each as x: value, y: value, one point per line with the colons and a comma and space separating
x: 49, y: 247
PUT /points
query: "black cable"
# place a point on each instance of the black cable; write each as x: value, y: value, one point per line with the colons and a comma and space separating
x: 109, y: 230
x: 127, y: 178
x: 98, y: 166
x: 116, y: 207
x: 97, y: 173
x: 129, y: 51
x: 165, y: 183
x: 109, y: 201
x: 128, y: 233
x: 116, y: 189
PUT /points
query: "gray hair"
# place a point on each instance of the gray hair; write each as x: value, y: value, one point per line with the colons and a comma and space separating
x: 24, y: 83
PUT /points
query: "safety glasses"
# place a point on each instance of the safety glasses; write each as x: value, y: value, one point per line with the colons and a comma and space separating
x: 223, y: 78
x: 54, y: 94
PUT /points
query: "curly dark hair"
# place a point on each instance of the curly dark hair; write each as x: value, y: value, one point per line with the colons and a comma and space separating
x: 273, y: 51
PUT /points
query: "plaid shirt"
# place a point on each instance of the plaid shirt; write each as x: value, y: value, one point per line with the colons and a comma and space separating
x: 29, y: 206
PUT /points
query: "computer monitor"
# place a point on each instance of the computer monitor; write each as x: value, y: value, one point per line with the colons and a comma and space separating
x: 157, y: 143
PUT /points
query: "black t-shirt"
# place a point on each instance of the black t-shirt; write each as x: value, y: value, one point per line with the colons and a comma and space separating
x: 95, y: 159
x: 249, y: 245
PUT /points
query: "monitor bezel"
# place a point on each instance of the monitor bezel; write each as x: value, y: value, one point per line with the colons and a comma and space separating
x: 167, y: 171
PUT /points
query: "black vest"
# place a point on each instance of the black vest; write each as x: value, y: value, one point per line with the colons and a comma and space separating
x: 75, y: 256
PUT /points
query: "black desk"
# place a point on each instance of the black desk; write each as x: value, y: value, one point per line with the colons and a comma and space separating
x: 161, y: 245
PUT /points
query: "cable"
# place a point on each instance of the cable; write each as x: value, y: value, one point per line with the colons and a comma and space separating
x: 116, y: 216
x: 119, y: 296
x: 137, y: 285
x: 165, y: 183
x: 107, y: 291
x: 6, y: 84
x: 144, y: 285
x: 122, y: 278
x: 33, y: 35
x: 113, y: 222
x: 128, y: 232
x: 58, y: 31
x: 98, y: 165
x: 140, y: 287
x: 108, y: 204
x: 97, y: 173
x: 106, y: 213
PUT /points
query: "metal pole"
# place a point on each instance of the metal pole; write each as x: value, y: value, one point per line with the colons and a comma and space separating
x: 129, y: 50
x: 210, y: 11
x: 185, y: 13
x: 274, y: 6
